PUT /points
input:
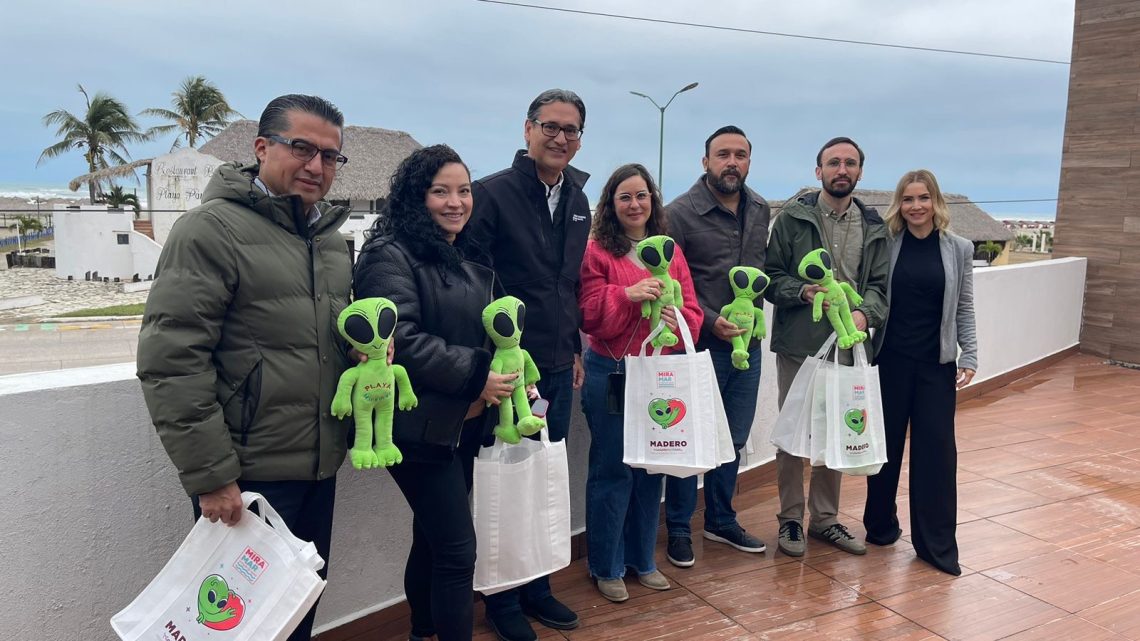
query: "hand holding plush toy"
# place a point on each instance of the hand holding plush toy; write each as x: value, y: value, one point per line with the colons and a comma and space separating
x: 816, y: 268
x: 656, y: 252
x: 503, y: 320
x: 368, y: 324
x: 747, y: 284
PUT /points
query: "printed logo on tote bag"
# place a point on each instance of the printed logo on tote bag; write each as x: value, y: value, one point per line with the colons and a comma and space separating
x: 666, y: 378
x: 250, y: 565
x: 219, y: 607
x: 856, y: 420
x: 666, y: 412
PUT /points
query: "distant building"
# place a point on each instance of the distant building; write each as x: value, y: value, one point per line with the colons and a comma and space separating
x: 966, y: 219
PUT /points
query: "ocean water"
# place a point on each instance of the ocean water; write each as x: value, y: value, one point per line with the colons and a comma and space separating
x: 28, y: 192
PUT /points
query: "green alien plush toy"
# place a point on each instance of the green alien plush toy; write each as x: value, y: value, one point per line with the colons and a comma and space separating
x: 503, y: 320
x: 368, y: 324
x: 816, y: 268
x: 747, y: 284
x: 656, y: 252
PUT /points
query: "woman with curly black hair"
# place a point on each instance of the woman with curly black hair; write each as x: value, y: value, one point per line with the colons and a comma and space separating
x: 416, y: 259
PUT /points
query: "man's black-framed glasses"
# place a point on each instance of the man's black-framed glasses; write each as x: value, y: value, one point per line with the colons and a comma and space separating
x: 551, y: 129
x: 305, y: 150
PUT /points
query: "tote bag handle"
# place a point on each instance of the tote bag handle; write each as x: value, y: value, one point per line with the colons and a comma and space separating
x: 686, y: 336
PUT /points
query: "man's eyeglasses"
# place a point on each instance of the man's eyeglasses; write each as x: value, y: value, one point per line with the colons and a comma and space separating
x: 305, y: 150
x: 551, y: 129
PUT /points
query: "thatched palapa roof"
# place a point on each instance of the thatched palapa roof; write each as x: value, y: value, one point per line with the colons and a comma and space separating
x: 966, y: 219
x: 373, y: 154
x: 110, y: 172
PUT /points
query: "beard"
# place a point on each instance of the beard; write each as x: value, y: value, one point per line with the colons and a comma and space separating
x: 727, y: 187
x: 840, y: 192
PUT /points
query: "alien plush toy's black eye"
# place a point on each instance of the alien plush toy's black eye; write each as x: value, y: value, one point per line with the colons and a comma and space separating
x: 503, y: 324
x: 761, y: 283
x: 358, y: 329
x: 669, y: 248
x: 211, y: 596
x: 740, y: 279
x: 650, y: 257
x: 521, y: 314
x: 386, y: 323
x: 814, y: 272
x: 825, y: 258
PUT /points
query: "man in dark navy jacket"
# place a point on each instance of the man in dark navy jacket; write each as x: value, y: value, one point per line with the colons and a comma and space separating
x: 532, y: 221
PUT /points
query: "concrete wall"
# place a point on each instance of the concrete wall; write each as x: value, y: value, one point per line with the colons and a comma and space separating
x: 86, y: 240
x: 92, y: 508
x: 144, y: 254
x: 1098, y: 207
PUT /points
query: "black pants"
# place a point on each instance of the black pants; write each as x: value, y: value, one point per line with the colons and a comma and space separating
x: 440, y: 571
x: 921, y: 395
x: 307, y: 509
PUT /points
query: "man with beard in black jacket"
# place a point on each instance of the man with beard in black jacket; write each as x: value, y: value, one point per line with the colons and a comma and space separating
x: 532, y: 221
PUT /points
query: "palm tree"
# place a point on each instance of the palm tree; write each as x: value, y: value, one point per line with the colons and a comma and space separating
x: 991, y: 249
x: 102, y: 132
x: 116, y: 197
x: 200, y: 112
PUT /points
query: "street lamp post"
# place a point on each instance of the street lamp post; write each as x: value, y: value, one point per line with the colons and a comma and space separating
x: 661, y: 139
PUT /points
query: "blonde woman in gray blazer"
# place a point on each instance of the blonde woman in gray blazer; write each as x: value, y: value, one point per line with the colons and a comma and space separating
x: 931, y: 297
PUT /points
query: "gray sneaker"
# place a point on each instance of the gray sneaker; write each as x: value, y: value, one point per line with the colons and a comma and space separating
x: 838, y: 536
x: 791, y: 541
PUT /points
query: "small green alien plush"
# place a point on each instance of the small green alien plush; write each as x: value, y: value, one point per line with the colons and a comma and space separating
x: 656, y: 252
x: 856, y: 420
x: 368, y: 324
x: 747, y: 284
x: 816, y: 268
x: 503, y: 320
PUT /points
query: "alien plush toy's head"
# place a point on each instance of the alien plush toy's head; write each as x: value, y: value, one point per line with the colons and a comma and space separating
x: 368, y: 325
x: 212, y: 596
x: 748, y: 282
x: 656, y: 252
x: 503, y: 320
x: 816, y: 266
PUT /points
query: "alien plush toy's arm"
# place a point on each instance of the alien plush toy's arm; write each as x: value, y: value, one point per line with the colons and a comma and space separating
x: 852, y: 295
x: 530, y: 370
x: 761, y: 328
x: 408, y: 398
x: 817, y: 307
x: 342, y: 401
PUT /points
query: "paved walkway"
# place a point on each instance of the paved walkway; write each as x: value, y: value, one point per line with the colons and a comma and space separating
x: 38, y: 347
x: 59, y: 296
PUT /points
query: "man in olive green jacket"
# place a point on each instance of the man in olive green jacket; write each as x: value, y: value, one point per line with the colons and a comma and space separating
x: 239, y: 354
x: 856, y: 238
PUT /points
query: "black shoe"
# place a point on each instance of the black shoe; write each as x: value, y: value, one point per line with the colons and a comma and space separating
x: 552, y: 613
x: 884, y: 540
x: 735, y: 536
x: 680, y: 551
x: 512, y: 626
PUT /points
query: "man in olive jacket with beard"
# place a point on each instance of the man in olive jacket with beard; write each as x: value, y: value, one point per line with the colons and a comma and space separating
x: 239, y: 354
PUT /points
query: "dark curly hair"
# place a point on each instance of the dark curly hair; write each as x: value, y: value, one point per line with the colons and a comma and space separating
x: 607, y: 229
x: 405, y: 217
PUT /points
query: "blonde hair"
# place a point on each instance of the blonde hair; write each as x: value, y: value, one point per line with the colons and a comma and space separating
x: 896, y: 223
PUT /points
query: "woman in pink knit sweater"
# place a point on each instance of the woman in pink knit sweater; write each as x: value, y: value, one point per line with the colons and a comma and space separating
x: 622, y: 503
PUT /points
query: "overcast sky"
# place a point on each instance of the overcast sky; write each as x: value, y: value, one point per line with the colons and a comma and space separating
x: 463, y: 72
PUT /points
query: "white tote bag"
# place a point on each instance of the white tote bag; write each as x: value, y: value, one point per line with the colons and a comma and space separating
x: 674, y: 421
x: 521, y: 508
x: 853, y: 411
x: 797, y: 425
x: 254, y: 581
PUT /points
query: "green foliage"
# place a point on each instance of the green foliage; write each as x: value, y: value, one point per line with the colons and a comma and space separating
x: 101, y: 133
x: 990, y: 249
x: 28, y: 224
x: 116, y: 197
x: 199, y: 111
x: 135, y: 309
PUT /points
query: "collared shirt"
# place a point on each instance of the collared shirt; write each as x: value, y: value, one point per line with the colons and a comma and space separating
x: 843, y: 237
x: 314, y: 213
x: 553, y: 195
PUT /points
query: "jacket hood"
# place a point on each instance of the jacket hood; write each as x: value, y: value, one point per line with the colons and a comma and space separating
x: 234, y: 182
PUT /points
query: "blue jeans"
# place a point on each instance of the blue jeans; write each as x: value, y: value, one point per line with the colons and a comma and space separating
x: 738, y: 389
x: 622, y: 503
x: 558, y: 389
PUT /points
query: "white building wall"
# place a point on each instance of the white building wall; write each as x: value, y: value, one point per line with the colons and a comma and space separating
x: 86, y: 240
x: 144, y: 255
x: 92, y: 508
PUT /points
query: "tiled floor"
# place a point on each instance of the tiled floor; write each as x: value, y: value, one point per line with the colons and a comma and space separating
x: 1049, y: 534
